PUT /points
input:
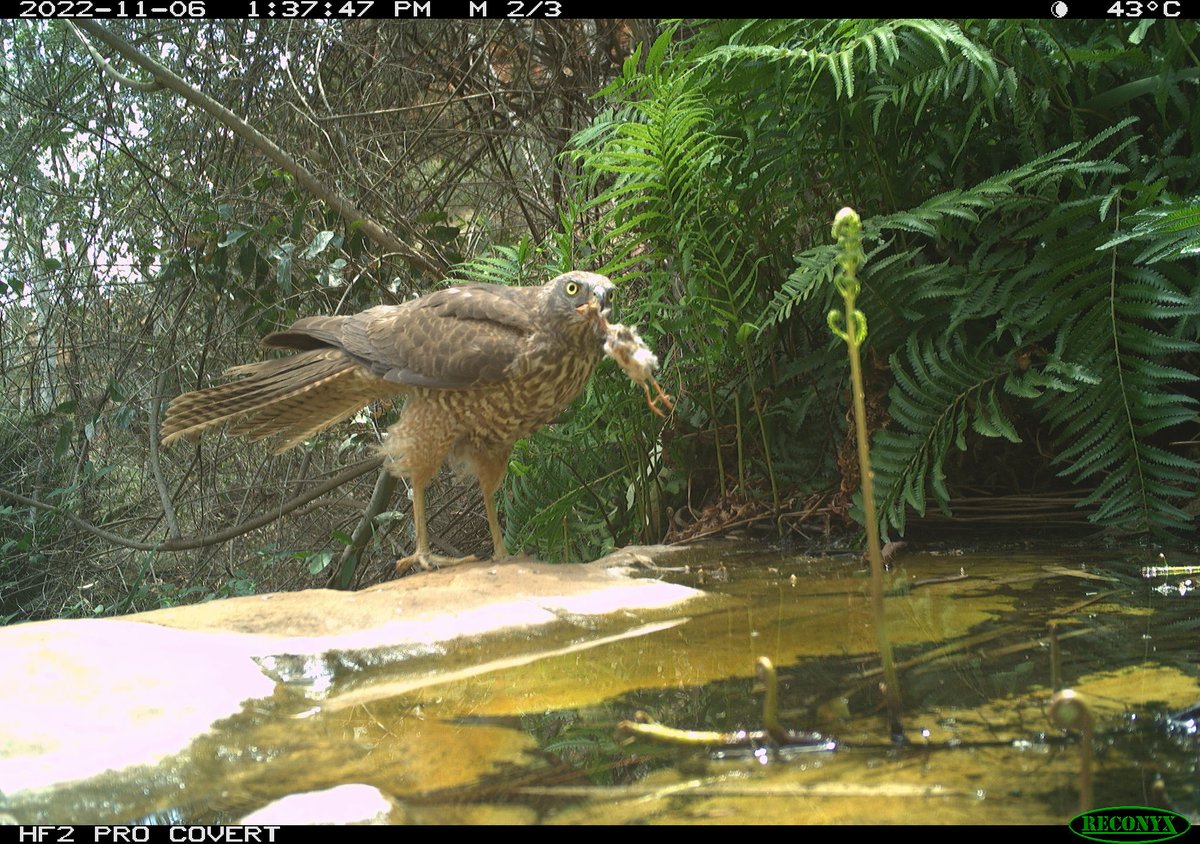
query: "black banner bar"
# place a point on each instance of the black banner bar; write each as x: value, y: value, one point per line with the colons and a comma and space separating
x: 1126, y: 11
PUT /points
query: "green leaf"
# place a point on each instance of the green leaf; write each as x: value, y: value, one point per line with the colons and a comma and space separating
x: 318, y: 244
x: 319, y: 561
x: 233, y: 237
x: 63, y: 443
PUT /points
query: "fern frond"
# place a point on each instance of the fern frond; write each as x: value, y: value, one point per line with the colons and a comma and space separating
x: 1108, y: 429
x: 1169, y: 232
x: 940, y: 392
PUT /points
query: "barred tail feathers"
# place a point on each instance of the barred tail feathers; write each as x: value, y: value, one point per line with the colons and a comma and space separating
x: 293, y: 397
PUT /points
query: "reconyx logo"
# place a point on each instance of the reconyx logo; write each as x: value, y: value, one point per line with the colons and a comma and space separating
x: 1125, y: 824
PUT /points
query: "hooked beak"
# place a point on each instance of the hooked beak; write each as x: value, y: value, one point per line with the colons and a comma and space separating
x: 598, y: 307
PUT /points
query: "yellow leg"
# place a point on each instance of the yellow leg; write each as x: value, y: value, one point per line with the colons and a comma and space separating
x: 415, y: 450
x: 422, y: 559
x: 490, y: 471
x: 418, y: 514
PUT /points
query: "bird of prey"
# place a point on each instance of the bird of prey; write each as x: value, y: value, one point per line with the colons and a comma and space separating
x: 480, y: 365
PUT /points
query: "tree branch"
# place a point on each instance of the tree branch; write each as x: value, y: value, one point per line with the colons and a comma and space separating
x: 155, y: 467
x: 188, y: 543
x: 269, y: 148
x: 380, y: 499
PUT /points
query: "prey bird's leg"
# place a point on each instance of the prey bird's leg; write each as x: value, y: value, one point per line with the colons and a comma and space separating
x: 662, y: 397
x: 650, y: 401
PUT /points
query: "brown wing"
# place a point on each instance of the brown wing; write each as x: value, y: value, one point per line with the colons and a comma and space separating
x: 463, y: 336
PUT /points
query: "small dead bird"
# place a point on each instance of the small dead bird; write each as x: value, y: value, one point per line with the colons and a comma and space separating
x: 623, y: 344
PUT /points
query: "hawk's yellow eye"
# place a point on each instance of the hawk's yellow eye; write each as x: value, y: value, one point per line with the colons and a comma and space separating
x: 571, y: 288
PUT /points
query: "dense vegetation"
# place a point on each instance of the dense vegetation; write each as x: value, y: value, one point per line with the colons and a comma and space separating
x: 1030, y: 193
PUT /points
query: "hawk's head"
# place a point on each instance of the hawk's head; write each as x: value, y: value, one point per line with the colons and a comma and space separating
x: 580, y: 295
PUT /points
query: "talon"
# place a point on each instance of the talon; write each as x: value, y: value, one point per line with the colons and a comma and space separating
x: 418, y: 562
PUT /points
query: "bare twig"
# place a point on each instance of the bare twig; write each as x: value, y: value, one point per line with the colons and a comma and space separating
x: 187, y: 543
x: 155, y: 467
x: 269, y: 148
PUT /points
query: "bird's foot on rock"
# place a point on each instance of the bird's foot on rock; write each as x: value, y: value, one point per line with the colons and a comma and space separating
x: 414, y: 563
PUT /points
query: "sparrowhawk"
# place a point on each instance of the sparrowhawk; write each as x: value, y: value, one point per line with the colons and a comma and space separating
x: 480, y: 365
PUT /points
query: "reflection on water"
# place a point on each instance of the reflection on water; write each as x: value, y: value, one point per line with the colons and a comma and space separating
x: 522, y: 729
